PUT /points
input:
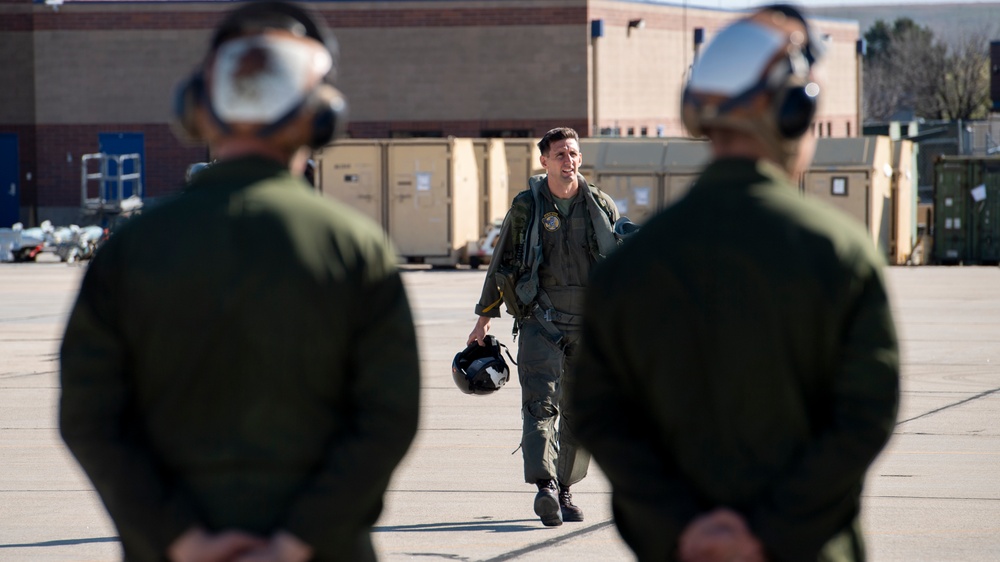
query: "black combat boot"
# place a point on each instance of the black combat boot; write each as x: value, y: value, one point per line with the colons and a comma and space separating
x: 547, y: 503
x: 569, y: 511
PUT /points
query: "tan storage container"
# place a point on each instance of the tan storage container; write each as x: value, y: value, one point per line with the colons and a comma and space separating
x: 855, y: 176
x: 904, y: 202
x: 522, y: 163
x: 630, y: 170
x: 353, y: 171
x: 491, y: 158
x: 434, y: 199
x: 683, y: 163
x: 591, y: 148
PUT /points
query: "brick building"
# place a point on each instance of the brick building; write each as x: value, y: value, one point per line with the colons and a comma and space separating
x: 83, y: 77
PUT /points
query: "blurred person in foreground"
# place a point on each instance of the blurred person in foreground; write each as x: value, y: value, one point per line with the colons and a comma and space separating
x: 240, y: 371
x: 553, y: 234
x: 739, y: 366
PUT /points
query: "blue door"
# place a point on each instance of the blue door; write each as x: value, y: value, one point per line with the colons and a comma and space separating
x: 123, y: 143
x: 10, y: 193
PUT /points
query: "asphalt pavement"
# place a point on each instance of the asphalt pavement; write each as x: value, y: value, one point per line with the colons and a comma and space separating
x: 934, y: 493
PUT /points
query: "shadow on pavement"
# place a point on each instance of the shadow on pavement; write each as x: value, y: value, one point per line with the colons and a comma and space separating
x: 511, y: 526
x: 64, y: 542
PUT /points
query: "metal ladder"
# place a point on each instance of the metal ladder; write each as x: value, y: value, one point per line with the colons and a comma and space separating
x: 112, y: 203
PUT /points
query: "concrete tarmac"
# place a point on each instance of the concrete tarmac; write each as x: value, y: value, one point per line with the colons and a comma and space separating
x: 934, y: 493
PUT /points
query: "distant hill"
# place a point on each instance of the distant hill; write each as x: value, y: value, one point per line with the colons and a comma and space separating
x: 948, y: 21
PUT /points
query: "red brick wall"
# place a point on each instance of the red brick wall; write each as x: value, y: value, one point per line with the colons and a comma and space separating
x: 77, y: 16
x: 59, y: 182
x: 367, y: 31
x: 48, y: 137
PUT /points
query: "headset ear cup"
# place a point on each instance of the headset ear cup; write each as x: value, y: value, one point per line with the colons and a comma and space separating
x: 189, y: 96
x: 689, y: 115
x: 329, y: 115
x: 795, y: 112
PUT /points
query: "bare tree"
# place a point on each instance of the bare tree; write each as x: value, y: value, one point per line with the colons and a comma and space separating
x: 882, y: 91
x: 904, y: 70
x: 965, y: 88
x: 920, y: 63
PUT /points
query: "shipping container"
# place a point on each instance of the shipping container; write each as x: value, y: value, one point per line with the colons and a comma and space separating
x: 353, y: 172
x: 855, y: 176
x: 966, y: 210
x: 631, y: 172
x: 494, y: 179
x: 904, y: 202
x: 683, y: 163
x: 951, y: 238
x: 433, y: 198
x: 426, y: 193
x: 523, y: 161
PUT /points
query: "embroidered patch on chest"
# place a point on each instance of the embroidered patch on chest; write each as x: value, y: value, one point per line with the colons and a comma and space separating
x: 551, y: 222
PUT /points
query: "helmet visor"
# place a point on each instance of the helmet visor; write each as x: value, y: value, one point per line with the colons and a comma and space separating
x: 258, y: 79
x: 736, y: 60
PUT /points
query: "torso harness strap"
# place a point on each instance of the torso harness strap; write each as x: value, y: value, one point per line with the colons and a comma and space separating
x: 527, y: 288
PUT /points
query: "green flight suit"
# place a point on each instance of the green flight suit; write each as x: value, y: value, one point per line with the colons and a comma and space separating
x: 569, y: 249
x: 242, y: 356
x: 739, y: 351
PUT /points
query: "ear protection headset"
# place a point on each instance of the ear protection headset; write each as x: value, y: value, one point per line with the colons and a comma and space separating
x: 795, y: 99
x: 793, y: 96
x: 325, y: 105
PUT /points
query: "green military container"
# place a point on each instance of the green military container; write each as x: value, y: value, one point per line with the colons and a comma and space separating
x: 966, y: 210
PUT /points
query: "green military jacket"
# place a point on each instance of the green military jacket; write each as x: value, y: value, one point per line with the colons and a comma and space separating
x: 567, y: 246
x: 242, y: 356
x: 739, y: 351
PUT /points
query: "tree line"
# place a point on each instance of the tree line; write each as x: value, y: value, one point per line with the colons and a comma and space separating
x: 907, y: 68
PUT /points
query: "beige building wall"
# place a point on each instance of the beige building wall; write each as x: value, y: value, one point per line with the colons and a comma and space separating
x: 838, y: 72
x: 639, y: 76
x: 640, y: 71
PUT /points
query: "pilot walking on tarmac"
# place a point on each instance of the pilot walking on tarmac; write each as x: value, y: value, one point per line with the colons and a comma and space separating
x: 552, y: 236
x: 240, y: 372
x: 739, y: 369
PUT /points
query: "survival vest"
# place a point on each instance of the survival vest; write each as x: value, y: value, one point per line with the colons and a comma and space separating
x: 517, y: 277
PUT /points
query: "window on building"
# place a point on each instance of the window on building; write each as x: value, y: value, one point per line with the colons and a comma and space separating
x: 416, y: 134
x: 644, y: 131
x: 505, y: 133
x: 829, y: 128
x: 848, y: 128
x: 838, y: 186
x: 631, y: 131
